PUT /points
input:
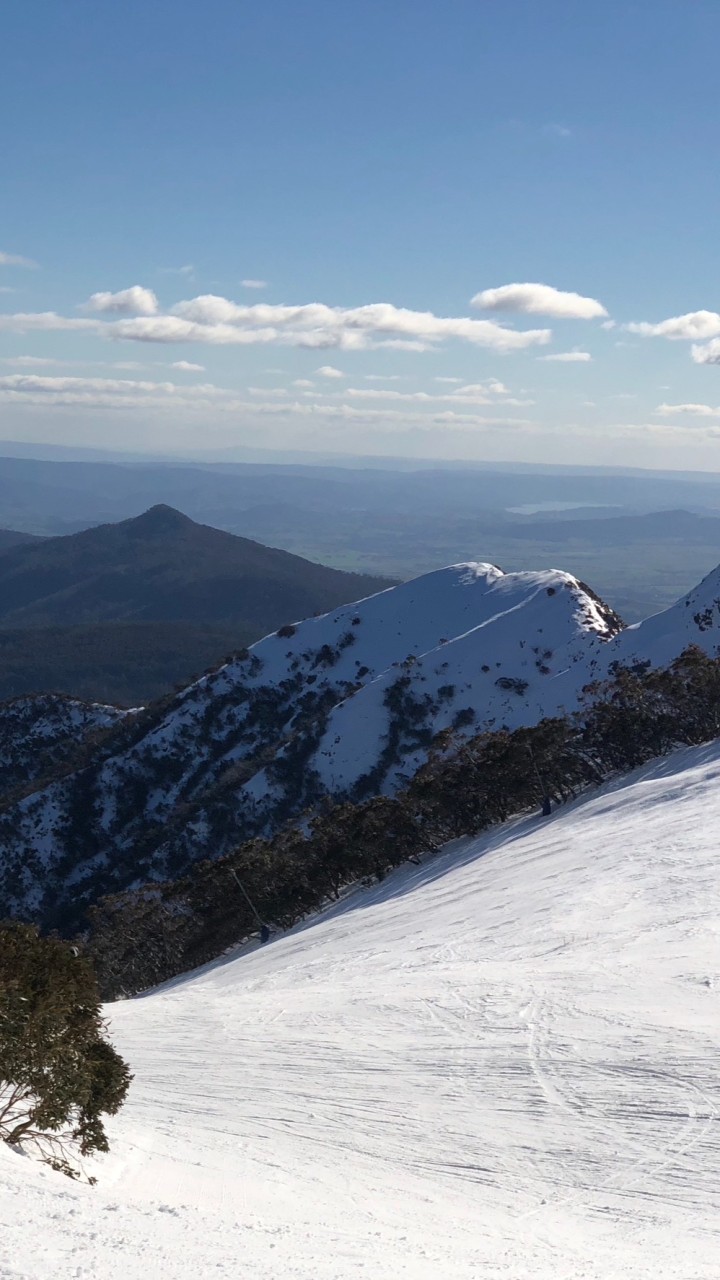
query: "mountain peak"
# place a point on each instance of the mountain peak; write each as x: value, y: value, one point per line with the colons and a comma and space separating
x: 160, y: 519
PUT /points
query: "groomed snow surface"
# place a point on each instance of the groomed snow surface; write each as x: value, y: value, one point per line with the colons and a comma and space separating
x: 504, y: 1063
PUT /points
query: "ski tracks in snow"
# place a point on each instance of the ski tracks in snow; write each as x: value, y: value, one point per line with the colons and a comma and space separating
x: 636, y: 1123
x: 502, y: 1066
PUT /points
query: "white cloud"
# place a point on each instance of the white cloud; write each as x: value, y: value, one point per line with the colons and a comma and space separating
x: 448, y: 380
x: 328, y: 371
x: 697, y: 410
x: 357, y: 328
x: 568, y: 357
x: 188, y: 270
x: 218, y: 321
x: 372, y: 393
x: 38, y: 362
x: 70, y: 393
x: 406, y: 344
x: 707, y: 354
x: 489, y: 385
x: 43, y: 322
x: 114, y: 393
x: 539, y: 299
x: 303, y: 383
x: 254, y: 284
x: 135, y: 301
x: 386, y: 377
x: 187, y: 366
x: 16, y: 260
x: 694, y: 325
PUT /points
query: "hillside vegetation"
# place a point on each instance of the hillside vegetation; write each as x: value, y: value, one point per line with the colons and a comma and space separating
x: 342, y: 708
x: 148, y: 934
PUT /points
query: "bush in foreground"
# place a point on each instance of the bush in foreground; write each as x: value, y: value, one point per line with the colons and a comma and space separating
x: 58, y: 1074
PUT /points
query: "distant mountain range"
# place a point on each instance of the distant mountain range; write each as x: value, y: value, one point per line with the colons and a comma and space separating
x: 343, y: 706
x: 399, y: 521
x: 129, y: 608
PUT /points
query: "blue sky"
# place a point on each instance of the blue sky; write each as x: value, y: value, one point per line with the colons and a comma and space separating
x: 411, y: 153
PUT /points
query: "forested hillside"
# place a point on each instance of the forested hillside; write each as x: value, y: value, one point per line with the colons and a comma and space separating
x: 123, y: 612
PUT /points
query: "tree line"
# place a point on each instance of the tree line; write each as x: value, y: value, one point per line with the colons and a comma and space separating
x: 148, y: 934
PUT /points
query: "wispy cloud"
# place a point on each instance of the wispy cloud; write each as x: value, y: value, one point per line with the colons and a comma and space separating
x: 329, y: 371
x: 254, y: 284
x: 557, y: 131
x: 187, y: 366
x: 424, y: 414
x: 471, y: 393
x: 44, y: 322
x: 76, y: 390
x: 540, y: 300
x: 17, y: 260
x: 567, y: 357
x: 33, y: 362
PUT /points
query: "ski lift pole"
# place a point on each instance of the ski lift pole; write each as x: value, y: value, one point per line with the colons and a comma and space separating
x: 247, y: 897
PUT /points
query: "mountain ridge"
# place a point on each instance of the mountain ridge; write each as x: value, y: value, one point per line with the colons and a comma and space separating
x: 344, y: 706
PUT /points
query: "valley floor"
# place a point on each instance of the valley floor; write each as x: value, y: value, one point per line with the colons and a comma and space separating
x: 502, y: 1064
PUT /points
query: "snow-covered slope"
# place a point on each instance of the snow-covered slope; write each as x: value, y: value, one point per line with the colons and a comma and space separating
x: 236, y: 753
x: 39, y: 731
x: 346, y: 703
x: 695, y: 619
x: 523, y: 663
x: 500, y: 1064
x: 499, y: 674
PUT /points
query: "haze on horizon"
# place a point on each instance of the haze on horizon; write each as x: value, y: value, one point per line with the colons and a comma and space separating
x: 410, y: 230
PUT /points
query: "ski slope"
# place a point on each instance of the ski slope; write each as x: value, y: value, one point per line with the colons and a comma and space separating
x: 503, y: 1064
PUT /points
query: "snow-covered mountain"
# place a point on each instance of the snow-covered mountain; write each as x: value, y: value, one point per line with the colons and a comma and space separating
x: 39, y: 731
x: 346, y: 703
x: 501, y: 1064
